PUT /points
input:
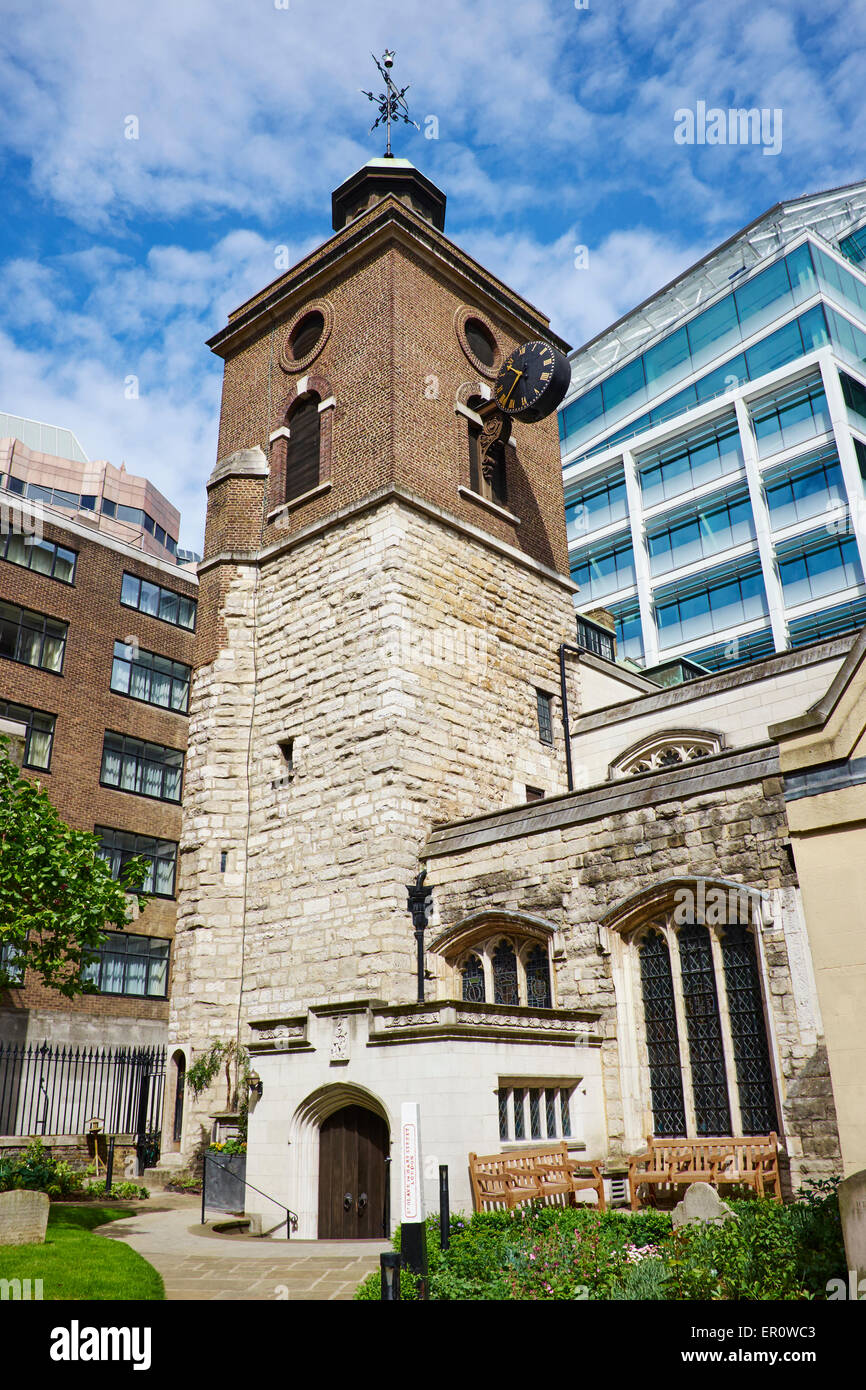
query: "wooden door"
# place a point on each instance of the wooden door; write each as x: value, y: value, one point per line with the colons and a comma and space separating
x: 353, y: 1146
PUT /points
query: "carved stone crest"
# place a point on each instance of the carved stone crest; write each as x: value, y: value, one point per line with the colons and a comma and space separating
x: 340, y: 1041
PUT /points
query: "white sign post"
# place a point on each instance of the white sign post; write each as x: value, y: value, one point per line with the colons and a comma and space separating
x: 413, y: 1239
x: 411, y: 1165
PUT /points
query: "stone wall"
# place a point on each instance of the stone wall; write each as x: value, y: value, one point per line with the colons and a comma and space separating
x: 574, y: 865
x: 401, y: 653
x: 738, y: 704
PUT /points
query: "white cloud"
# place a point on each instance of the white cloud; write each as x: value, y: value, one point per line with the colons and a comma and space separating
x: 555, y: 129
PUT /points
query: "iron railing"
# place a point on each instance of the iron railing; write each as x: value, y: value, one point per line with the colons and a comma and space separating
x: 46, y: 1089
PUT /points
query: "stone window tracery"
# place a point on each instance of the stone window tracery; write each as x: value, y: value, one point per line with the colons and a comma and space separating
x: 503, y: 969
x: 505, y: 974
x: 473, y: 979
x: 670, y: 748
x: 704, y: 1033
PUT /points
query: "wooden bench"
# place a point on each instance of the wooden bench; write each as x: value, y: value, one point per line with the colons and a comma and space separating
x: 550, y: 1175
x: 669, y: 1162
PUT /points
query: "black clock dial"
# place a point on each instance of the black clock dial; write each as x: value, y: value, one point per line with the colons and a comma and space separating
x: 532, y: 381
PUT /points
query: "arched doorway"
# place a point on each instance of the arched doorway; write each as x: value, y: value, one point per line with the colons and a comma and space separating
x: 353, y: 1149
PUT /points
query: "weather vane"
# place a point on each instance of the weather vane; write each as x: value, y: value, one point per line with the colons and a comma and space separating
x: 392, y: 104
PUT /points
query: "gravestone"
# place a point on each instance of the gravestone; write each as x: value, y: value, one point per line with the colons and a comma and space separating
x: 23, y: 1217
x: 701, y: 1203
x: 852, y: 1205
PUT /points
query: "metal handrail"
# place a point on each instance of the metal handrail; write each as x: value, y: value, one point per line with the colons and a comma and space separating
x: 291, y: 1216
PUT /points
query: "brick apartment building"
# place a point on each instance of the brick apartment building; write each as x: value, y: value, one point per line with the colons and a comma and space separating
x: 97, y: 620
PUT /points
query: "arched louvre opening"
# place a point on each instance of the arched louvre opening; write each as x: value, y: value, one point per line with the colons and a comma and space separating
x: 748, y: 1033
x: 487, y: 479
x: 302, y: 461
x: 666, y: 1081
x: 706, y: 1051
x: 474, y: 437
x: 497, y: 485
x: 538, y: 979
x: 473, y: 980
x: 505, y: 987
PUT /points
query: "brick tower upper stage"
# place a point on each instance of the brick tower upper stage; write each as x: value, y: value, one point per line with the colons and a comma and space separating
x: 393, y: 363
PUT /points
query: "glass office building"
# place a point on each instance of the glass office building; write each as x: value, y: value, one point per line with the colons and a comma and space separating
x: 714, y: 446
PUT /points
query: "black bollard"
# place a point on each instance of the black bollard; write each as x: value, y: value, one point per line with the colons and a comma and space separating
x: 444, y: 1208
x: 389, y: 1264
x: 109, y: 1166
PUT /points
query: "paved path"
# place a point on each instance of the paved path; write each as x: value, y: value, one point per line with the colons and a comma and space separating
x: 197, y: 1264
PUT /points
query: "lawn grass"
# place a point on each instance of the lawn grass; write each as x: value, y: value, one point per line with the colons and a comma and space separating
x: 74, y: 1263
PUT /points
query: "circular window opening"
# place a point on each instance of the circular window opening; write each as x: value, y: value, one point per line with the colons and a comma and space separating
x: 480, y: 341
x: 306, y: 334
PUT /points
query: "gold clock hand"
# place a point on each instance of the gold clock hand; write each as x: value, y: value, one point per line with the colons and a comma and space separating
x: 512, y: 386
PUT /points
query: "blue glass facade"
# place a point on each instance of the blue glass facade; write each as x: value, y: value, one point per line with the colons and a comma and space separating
x: 748, y: 507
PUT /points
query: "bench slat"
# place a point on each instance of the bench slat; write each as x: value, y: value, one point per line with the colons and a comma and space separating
x: 550, y: 1175
x: 717, y: 1160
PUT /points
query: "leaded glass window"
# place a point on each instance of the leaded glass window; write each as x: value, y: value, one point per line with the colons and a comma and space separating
x: 706, y: 1054
x: 473, y: 980
x: 519, y: 1115
x: 537, y: 979
x: 550, y: 1112
x: 505, y: 975
x: 565, y: 1114
x: 503, y: 1114
x: 749, y: 1036
x: 535, y: 1114
x: 666, y: 1082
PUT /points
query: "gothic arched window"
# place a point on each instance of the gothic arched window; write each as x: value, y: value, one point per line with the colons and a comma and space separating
x: 748, y: 1034
x: 702, y: 1002
x: 302, y: 459
x: 663, y: 1046
x: 473, y: 980
x: 537, y: 979
x: 704, y: 1030
x: 505, y: 975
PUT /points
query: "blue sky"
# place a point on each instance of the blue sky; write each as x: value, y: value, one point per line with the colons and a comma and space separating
x: 118, y: 257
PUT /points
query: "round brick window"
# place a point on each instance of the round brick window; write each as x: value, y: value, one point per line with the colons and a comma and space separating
x: 307, y: 334
x: 478, y: 340
x: 481, y: 341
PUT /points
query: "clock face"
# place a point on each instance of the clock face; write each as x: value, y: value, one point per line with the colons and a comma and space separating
x: 532, y: 382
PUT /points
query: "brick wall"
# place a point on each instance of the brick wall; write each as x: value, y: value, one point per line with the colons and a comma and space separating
x: 85, y: 708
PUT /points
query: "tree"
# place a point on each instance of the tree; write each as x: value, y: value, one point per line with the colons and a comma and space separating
x: 57, y: 895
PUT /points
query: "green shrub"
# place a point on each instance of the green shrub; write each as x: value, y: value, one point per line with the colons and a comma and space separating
x: 551, y: 1253
x: 120, y: 1192
x: 752, y: 1257
x: 36, y: 1170
x: 648, y: 1279
x: 817, y: 1225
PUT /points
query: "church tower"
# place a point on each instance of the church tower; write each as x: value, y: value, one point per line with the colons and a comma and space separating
x: 377, y: 653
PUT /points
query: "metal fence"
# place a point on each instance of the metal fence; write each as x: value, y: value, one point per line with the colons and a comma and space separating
x: 46, y: 1089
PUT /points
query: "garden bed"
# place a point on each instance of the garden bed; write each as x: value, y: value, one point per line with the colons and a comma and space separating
x: 546, y: 1253
x: 37, y: 1170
